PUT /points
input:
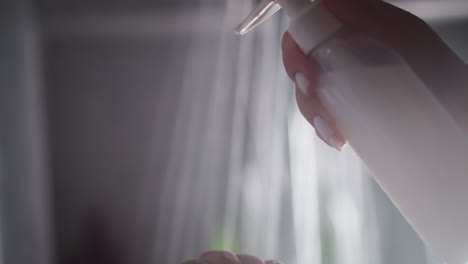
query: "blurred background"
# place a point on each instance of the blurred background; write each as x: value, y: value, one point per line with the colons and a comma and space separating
x: 146, y: 132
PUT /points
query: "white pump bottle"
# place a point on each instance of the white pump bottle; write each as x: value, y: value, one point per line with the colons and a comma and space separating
x: 410, y: 142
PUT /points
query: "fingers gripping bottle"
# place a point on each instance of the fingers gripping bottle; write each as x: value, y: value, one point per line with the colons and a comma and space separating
x: 409, y: 141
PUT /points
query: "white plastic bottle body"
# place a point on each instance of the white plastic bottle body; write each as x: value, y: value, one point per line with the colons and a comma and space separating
x: 408, y: 140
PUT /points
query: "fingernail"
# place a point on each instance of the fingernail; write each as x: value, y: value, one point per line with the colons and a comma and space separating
x: 302, y: 83
x: 326, y: 132
x: 337, y: 143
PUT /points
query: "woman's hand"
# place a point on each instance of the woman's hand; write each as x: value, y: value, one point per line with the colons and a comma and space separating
x: 411, y: 37
x: 224, y: 257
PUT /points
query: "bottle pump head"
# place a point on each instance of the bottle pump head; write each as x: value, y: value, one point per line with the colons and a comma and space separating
x: 264, y: 10
x: 311, y: 22
x: 267, y: 8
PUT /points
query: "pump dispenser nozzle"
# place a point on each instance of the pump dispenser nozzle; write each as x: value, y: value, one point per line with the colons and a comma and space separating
x: 264, y: 10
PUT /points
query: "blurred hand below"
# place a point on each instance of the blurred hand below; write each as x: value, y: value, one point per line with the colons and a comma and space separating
x: 224, y: 257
